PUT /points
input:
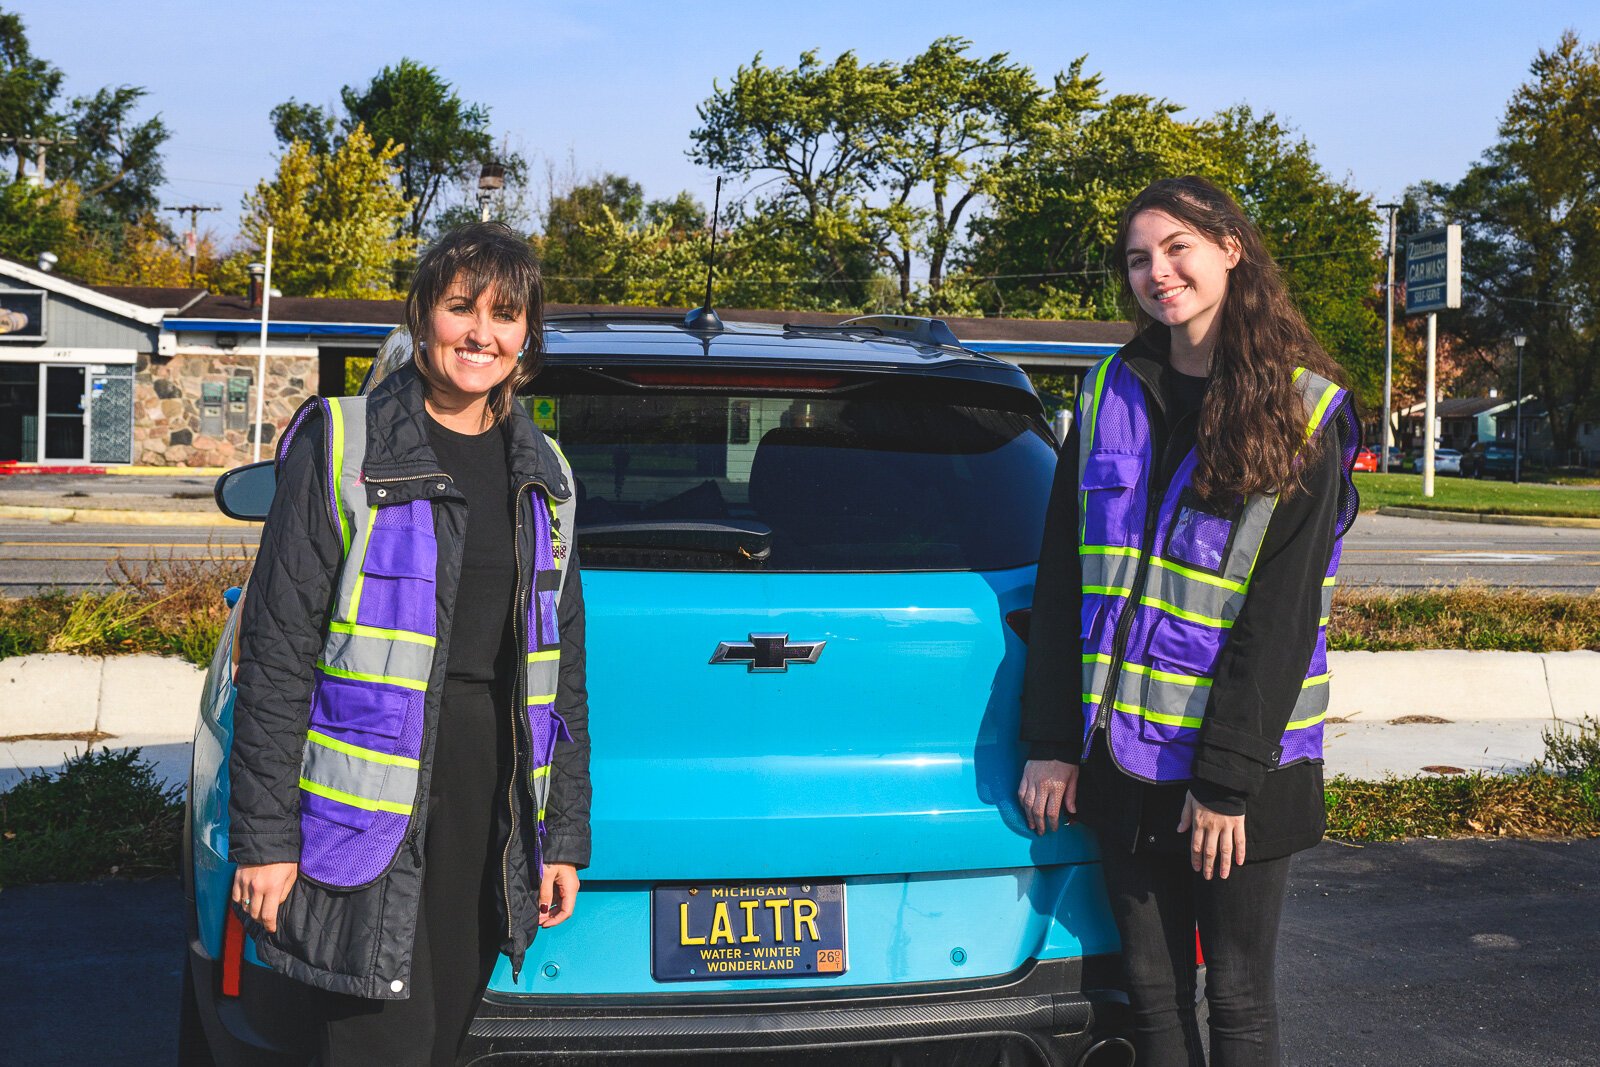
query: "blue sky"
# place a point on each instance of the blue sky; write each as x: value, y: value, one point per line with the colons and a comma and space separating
x: 1388, y: 93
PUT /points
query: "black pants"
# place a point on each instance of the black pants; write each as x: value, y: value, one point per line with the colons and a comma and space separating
x: 1157, y: 900
x: 459, y: 927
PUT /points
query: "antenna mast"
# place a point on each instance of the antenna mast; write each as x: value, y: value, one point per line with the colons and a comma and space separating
x: 704, y: 317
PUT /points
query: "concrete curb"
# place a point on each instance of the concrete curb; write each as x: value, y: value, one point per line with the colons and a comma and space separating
x: 117, y: 517
x: 1497, y: 520
x: 169, y: 472
x: 1459, y: 686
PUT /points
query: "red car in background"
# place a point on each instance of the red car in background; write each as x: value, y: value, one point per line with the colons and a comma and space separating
x: 1366, y: 460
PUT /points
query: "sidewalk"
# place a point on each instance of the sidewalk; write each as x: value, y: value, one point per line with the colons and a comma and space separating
x: 1398, y: 713
x: 166, y: 497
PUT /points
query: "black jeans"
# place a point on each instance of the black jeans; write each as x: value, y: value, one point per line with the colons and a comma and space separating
x: 1157, y: 900
x: 460, y: 924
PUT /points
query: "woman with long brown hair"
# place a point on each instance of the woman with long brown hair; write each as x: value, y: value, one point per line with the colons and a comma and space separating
x: 1177, y: 669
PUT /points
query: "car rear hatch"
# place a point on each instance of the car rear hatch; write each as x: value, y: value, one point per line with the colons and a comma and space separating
x: 801, y: 670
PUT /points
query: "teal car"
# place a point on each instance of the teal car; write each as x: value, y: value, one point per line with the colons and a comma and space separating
x: 808, y: 560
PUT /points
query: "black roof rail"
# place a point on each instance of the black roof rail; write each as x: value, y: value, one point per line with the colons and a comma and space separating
x: 918, y: 328
x: 616, y: 316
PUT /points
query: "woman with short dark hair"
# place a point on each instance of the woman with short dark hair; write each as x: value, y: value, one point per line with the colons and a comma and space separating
x: 1177, y: 671
x: 410, y: 789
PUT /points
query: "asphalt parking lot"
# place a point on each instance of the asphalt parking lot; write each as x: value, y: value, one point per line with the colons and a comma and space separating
x: 1421, y: 953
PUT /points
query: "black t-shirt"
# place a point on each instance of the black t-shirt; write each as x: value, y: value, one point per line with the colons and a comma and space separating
x: 481, y: 634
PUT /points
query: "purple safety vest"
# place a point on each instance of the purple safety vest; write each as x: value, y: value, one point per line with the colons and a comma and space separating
x: 1161, y: 592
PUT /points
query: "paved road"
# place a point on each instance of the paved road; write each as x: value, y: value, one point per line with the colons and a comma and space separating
x: 1396, y: 553
x: 73, y: 556
x: 1467, y: 953
x: 1379, y: 551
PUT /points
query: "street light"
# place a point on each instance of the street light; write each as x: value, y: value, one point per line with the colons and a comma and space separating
x: 1516, y: 469
x: 491, y: 179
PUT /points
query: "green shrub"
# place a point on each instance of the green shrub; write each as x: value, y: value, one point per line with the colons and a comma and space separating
x: 103, y: 814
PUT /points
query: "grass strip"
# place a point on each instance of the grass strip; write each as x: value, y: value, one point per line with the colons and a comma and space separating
x: 1483, y: 497
x: 102, y: 815
x: 1472, y: 617
x: 1559, y: 796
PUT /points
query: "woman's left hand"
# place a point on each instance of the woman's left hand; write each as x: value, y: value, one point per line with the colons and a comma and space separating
x: 1217, y: 841
x: 557, y: 893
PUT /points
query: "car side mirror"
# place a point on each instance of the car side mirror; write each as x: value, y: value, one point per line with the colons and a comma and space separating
x: 246, y: 492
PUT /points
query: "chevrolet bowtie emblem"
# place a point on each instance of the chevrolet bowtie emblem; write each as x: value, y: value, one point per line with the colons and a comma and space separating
x: 768, y: 652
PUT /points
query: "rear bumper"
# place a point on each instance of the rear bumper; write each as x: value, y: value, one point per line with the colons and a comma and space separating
x: 1042, y: 1011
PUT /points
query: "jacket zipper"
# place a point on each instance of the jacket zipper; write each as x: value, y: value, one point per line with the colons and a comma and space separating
x: 518, y: 713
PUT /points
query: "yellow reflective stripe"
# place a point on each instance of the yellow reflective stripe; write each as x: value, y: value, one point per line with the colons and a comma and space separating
x: 357, y: 676
x: 1156, y: 716
x: 540, y: 772
x: 541, y: 698
x: 544, y: 657
x: 361, y: 572
x: 1316, y: 679
x: 1107, y: 550
x: 1298, y: 371
x: 1150, y: 672
x: 1108, y: 590
x: 371, y: 755
x: 1323, y: 621
x: 541, y: 815
x: 1090, y: 698
x: 1199, y: 576
x: 1321, y: 410
x: 361, y: 630
x: 336, y: 475
x: 1326, y: 582
x: 1183, y: 613
x: 1301, y: 724
x: 354, y: 801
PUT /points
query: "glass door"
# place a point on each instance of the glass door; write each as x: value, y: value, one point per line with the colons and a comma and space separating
x: 65, y: 413
x: 19, y: 412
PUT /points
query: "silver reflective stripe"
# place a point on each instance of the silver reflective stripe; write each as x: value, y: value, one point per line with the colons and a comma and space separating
x: 1191, y: 596
x: 1250, y: 529
x: 1311, y: 706
x: 353, y: 492
x: 390, y: 785
x: 1155, y: 696
x: 1327, y: 598
x: 1108, y: 567
x: 378, y: 658
x: 541, y: 789
x: 543, y: 675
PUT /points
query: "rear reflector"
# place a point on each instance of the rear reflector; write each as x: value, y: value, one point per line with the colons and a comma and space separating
x: 734, y: 379
x: 232, y: 953
x: 1020, y: 621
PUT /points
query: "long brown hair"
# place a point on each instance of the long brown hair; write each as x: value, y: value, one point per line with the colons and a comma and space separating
x: 483, y: 255
x: 1252, y: 422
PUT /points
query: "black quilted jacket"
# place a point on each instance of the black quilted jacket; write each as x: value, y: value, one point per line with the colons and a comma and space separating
x: 359, y: 941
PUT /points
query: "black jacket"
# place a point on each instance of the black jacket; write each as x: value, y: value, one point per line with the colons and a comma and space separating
x: 1258, y: 676
x: 359, y: 941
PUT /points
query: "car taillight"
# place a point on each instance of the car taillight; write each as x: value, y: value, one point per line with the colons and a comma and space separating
x: 1020, y: 620
x: 232, y: 953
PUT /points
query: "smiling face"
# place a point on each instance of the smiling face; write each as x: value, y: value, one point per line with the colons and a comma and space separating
x: 1178, y: 275
x: 473, y: 345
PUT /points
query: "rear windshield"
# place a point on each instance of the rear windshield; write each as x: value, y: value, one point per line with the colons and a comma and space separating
x: 881, y: 478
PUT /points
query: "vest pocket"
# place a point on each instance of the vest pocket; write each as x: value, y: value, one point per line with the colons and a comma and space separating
x: 1179, y: 646
x: 1110, y: 482
x: 402, y: 551
x: 1199, y: 538
x: 397, y: 577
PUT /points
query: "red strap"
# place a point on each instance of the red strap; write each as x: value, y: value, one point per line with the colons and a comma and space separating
x: 232, y: 953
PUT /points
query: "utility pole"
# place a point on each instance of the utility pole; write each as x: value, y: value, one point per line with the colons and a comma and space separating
x: 192, y: 241
x: 40, y: 146
x: 1388, y: 342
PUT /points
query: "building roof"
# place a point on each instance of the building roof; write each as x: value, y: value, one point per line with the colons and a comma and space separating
x: 1467, y: 407
x: 160, y: 297
x: 34, y: 278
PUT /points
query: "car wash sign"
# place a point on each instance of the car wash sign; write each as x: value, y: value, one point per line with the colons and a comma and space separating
x: 1433, y: 270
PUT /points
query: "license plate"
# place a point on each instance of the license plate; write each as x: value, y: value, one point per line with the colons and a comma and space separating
x: 747, y: 930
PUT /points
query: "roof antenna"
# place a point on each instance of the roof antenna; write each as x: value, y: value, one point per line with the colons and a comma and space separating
x: 703, y: 317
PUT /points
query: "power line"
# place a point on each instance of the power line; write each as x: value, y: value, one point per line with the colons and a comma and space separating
x: 40, y: 146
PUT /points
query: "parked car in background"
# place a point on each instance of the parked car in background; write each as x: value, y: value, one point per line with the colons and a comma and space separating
x: 1366, y: 460
x: 808, y: 560
x: 1489, y: 459
x: 1445, y: 461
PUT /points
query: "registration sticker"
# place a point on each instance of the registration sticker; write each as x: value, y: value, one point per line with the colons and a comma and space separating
x: 747, y: 930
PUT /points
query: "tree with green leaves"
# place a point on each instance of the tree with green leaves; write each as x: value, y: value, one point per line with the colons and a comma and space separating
x: 336, y: 220
x: 442, y: 139
x: 1530, y: 217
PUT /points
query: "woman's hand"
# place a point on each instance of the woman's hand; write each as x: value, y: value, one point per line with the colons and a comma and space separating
x: 261, y: 888
x: 1046, y: 784
x: 1217, y: 842
x: 558, y: 892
